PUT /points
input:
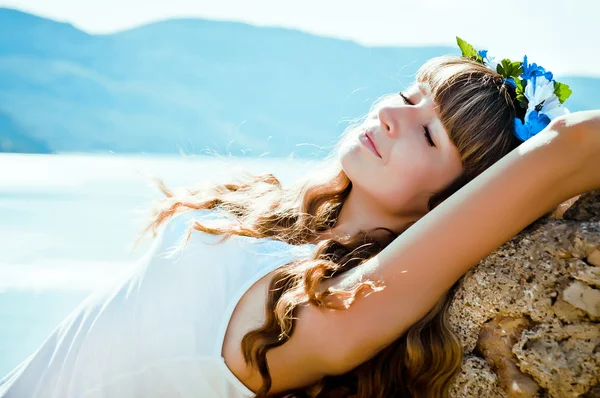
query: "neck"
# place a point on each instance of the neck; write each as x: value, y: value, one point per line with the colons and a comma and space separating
x: 360, y: 212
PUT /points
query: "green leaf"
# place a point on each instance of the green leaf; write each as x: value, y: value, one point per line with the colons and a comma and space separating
x: 562, y: 91
x: 521, y: 84
x: 508, y: 68
x: 517, y: 68
x: 504, y: 67
x: 468, y: 51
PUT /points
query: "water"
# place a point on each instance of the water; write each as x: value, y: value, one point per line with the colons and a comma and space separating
x: 67, y: 225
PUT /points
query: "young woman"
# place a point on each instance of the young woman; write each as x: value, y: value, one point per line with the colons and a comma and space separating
x: 337, y: 286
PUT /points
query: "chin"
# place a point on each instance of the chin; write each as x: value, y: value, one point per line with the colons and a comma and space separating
x: 358, y: 175
x: 348, y: 163
x: 350, y: 147
x: 351, y: 156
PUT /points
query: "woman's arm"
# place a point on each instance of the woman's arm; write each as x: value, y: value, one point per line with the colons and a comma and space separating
x: 425, y: 261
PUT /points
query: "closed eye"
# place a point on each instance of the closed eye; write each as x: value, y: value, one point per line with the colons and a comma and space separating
x: 425, y: 129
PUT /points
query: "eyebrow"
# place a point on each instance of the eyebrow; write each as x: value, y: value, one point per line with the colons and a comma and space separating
x: 424, y: 87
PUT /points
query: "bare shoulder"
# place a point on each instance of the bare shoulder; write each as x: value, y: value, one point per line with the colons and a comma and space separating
x: 301, y: 361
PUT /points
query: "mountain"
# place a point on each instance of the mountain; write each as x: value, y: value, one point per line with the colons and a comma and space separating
x: 14, y: 139
x: 196, y: 85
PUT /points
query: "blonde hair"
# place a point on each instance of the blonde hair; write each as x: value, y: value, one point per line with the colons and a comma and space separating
x: 476, y: 109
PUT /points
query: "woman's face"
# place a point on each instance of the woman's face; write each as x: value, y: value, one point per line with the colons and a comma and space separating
x: 416, y: 156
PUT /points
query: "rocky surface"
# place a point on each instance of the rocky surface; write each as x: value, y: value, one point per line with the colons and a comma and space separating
x: 529, y: 314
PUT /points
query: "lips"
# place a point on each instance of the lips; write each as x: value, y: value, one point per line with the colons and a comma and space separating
x: 369, y: 142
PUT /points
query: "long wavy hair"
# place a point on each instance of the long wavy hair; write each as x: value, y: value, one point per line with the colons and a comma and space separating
x: 476, y: 108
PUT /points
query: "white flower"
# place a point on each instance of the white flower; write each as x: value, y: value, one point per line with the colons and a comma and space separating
x: 540, y: 96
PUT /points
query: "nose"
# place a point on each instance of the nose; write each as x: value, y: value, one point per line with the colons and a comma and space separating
x: 385, y: 119
x: 392, y: 117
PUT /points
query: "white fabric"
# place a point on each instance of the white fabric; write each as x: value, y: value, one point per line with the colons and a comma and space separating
x: 159, y: 333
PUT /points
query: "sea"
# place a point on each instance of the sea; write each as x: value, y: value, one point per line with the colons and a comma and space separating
x: 68, y: 224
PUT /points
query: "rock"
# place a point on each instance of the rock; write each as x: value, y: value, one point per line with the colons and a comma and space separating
x: 583, y: 297
x: 476, y: 379
x: 564, y: 359
x: 586, y: 208
x: 495, y: 343
x: 543, y: 289
x: 594, y: 258
x: 594, y: 392
x: 589, y: 275
x: 566, y: 312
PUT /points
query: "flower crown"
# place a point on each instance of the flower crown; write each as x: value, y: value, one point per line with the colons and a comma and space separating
x: 537, y: 91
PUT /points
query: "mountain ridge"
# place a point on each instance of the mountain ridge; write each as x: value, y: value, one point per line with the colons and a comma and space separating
x: 199, y: 85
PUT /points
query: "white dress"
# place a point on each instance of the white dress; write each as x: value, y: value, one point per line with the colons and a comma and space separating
x: 158, y: 333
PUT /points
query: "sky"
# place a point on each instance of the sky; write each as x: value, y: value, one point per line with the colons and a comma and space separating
x: 560, y: 35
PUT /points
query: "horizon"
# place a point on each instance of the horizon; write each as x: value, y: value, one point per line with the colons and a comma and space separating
x: 373, y: 26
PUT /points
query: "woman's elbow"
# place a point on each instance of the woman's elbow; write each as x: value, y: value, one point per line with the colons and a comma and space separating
x: 579, y: 134
x: 583, y: 126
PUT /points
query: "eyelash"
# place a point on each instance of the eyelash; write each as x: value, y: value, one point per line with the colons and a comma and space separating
x: 425, y: 129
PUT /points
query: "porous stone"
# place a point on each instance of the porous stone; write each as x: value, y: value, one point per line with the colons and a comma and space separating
x: 586, y: 208
x: 584, y: 297
x: 495, y: 343
x: 594, y: 392
x: 476, y: 379
x: 564, y: 359
x: 588, y: 275
x: 548, y: 275
x: 594, y: 258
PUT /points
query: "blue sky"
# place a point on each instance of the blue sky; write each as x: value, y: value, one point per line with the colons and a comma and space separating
x: 560, y: 35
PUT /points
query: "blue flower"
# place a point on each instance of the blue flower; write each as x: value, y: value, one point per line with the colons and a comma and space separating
x: 533, y: 70
x: 535, y: 122
x: 487, y: 60
x: 511, y: 82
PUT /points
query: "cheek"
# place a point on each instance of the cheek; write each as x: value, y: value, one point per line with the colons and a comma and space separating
x: 407, y: 176
x: 419, y: 172
x: 411, y: 165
